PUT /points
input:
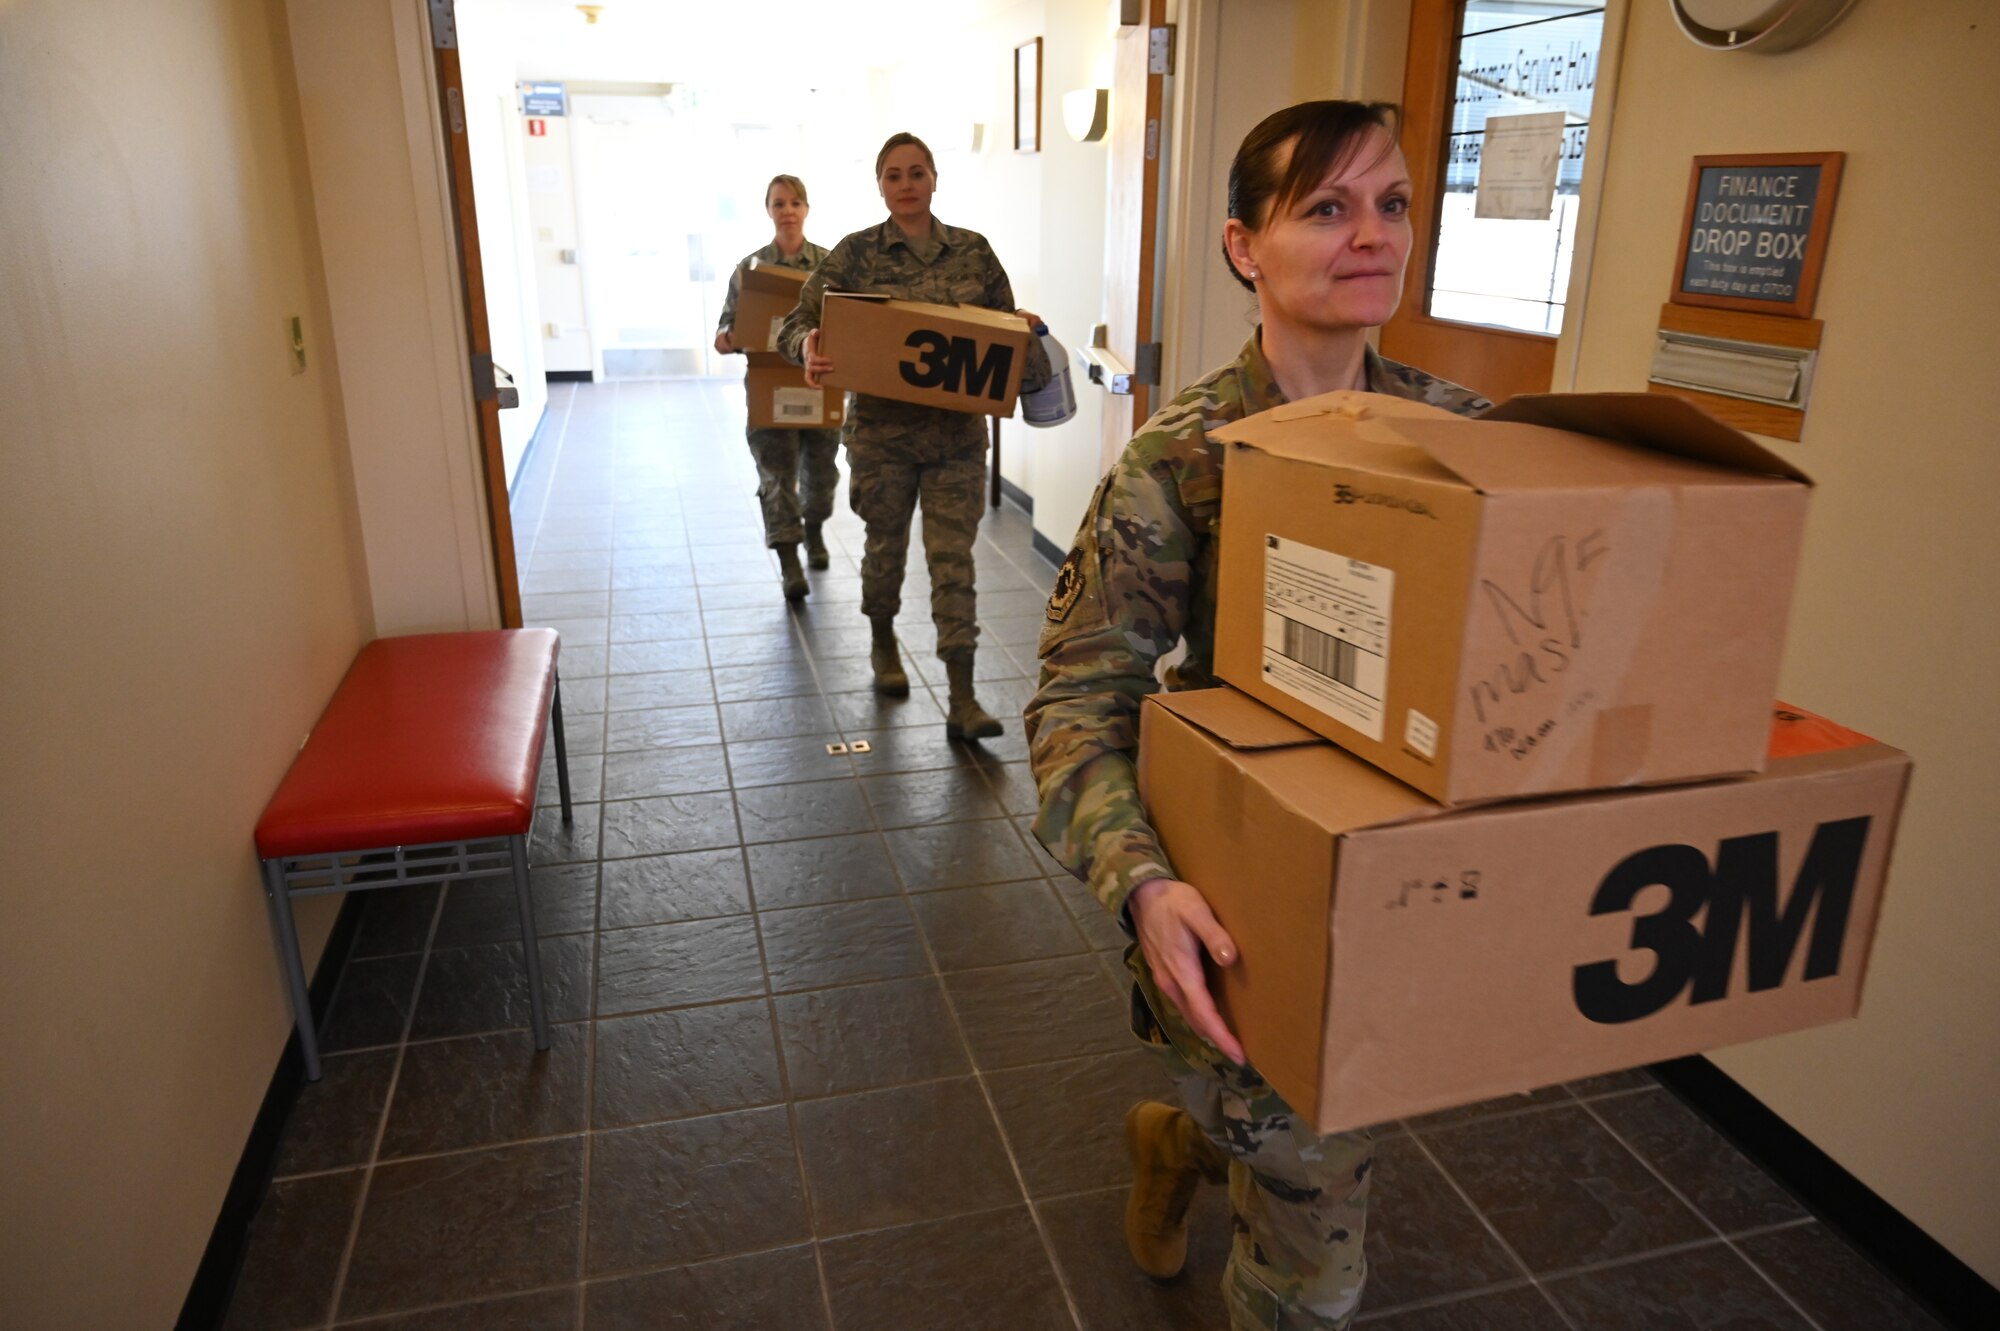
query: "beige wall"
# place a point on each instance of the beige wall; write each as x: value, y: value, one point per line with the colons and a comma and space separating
x: 1893, y: 630
x: 182, y: 587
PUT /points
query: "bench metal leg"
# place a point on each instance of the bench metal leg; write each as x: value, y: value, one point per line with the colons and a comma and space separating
x: 280, y: 900
x: 562, y: 752
x: 529, y: 943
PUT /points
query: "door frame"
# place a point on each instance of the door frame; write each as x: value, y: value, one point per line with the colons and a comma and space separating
x: 370, y: 110
x: 1590, y: 196
x: 1415, y: 328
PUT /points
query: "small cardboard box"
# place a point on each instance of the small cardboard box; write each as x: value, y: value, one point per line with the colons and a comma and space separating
x: 780, y: 399
x: 959, y: 357
x: 1571, y: 592
x: 1398, y: 958
x: 767, y: 294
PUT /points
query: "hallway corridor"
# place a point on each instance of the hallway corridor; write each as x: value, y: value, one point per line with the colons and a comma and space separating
x: 837, y: 1045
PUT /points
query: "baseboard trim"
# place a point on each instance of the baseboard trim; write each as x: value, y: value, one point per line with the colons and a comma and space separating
x: 528, y: 453
x: 569, y: 376
x: 1049, y: 550
x: 1022, y: 499
x: 1949, y: 1289
x: 207, y: 1302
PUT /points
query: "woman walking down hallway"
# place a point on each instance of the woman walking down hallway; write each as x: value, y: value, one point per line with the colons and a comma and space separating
x: 1319, y: 231
x: 796, y: 469
x: 900, y: 455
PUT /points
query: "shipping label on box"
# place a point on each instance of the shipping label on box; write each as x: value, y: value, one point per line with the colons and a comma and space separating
x: 1569, y: 593
x: 780, y: 398
x: 766, y: 295
x: 1399, y: 958
x: 959, y: 357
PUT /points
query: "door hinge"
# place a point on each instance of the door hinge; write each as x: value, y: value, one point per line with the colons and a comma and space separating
x: 1160, y: 50
x: 444, y: 25
x: 491, y: 383
x: 1146, y: 363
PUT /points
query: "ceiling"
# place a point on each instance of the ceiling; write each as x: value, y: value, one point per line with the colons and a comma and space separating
x: 674, y: 41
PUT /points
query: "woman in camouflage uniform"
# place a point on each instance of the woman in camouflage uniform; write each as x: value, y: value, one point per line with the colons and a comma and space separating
x: 1319, y: 230
x: 796, y: 471
x: 899, y: 453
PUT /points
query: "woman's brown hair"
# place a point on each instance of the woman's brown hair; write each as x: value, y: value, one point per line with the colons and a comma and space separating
x: 792, y: 183
x: 902, y: 140
x: 1325, y: 137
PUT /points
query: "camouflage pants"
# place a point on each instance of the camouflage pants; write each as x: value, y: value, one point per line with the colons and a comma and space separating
x: 885, y: 492
x: 1300, y: 1199
x: 796, y: 478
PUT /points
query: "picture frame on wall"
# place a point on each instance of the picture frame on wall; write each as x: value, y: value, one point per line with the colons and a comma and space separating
x: 1754, y: 234
x: 1028, y: 96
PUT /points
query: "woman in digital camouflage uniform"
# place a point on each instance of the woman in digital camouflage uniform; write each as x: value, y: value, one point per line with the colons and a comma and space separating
x: 1319, y: 230
x: 900, y: 454
x: 796, y: 470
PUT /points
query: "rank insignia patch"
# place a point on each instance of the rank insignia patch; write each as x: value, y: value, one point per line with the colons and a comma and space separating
x: 1068, y: 588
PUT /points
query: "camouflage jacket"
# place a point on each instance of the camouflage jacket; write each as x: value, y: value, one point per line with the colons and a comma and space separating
x: 808, y: 258
x: 1140, y: 580
x: 953, y: 267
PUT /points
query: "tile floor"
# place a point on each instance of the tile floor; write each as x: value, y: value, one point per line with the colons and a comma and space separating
x: 837, y: 1046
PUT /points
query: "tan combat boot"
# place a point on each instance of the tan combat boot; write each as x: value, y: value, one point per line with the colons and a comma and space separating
x: 883, y: 659
x: 964, y: 717
x: 1170, y: 1157
x: 796, y: 587
x: 816, y: 556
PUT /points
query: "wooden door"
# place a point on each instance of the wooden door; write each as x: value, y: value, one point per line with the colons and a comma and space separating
x: 1132, y: 216
x: 1495, y: 361
x: 488, y: 393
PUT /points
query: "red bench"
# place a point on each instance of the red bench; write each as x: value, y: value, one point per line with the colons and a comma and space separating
x: 421, y: 770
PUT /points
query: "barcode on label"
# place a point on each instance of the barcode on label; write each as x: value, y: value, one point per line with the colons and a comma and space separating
x: 798, y: 406
x: 1322, y: 653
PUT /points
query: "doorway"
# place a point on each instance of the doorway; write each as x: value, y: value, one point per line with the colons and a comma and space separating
x: 1489, y: 278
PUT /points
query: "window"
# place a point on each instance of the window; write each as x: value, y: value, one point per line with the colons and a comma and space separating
x: 1514, y: 57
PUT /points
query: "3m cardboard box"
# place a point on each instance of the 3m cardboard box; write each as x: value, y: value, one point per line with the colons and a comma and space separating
x: 766, y: 295
x: 780, y: 398
x: 959, y: 357
x: 1571, y: 592
x: 1398, y: 957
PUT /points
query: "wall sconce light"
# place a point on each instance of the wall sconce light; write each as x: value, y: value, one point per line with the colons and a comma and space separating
x: 1086, y: 113
x: 590, y: 13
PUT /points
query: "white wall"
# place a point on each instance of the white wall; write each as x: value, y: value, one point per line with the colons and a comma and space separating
x: 1044, y: 212
x: 552, y: 219
x: 497, y: 134
x: 367, y: 101
x: 183, y: 583
x: 1892, y: 631
x: 1236, y: 62
x: 1062, y: 461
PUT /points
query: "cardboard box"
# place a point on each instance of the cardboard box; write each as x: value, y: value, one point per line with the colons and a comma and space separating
x: 959, y: 357
x: 1398, y: 957
x: 1570, y: 593
x: 780, y: 399
x: 767, y: 294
